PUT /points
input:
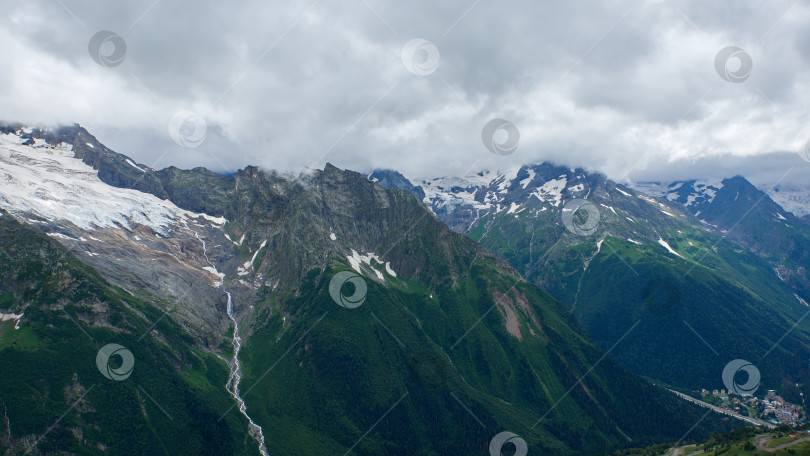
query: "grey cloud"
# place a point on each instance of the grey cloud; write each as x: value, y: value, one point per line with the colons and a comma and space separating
x: 624, y: 87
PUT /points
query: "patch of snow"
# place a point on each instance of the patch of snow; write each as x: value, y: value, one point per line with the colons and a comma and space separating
x: 61, y: 236
x: 132, y: 163
x: 249, y: 263
x: 389, y: 270
x: 506, y: 180
x: 609, y: 207
x: 513, y: 208
x: 332, y: 235
x: 577, y: 188
x: 212, y: 219
x: 11, y: 316
x: 634, y: 241
x: 622, y: 192
x: 669, y: 249
x: 525, y: 182
x: 90, y: 146
x: 220, y: 275
x: 551, y: 191
x: 356, y: 261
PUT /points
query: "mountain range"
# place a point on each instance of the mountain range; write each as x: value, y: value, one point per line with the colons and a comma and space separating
x: 187, y: 312
x: 711, y: 272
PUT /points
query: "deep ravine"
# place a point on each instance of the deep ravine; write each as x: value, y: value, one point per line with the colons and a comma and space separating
x: 232, y: 386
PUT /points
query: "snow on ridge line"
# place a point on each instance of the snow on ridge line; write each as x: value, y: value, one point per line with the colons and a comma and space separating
x: 132, y: 163
x: 51, y: 183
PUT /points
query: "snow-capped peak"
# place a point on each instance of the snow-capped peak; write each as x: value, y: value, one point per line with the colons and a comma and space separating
x: 46, y: 181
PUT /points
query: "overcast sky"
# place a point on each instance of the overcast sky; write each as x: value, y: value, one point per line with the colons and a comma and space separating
x: 627, y: 87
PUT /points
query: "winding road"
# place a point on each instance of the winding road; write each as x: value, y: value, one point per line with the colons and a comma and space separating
x: 724, y: 411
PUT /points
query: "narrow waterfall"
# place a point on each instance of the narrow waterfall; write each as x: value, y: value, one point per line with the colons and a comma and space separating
x: 235, y: 377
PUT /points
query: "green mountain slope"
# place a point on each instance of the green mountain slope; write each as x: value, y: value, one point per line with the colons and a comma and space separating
x: 727, y: 301
x: 449, y: 348
x: 55, y: 398
x: 455, y: 329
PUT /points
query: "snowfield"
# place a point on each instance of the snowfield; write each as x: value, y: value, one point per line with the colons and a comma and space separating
x: 48, y: 182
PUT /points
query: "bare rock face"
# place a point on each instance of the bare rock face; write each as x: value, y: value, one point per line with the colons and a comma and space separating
x: 186, y: 237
